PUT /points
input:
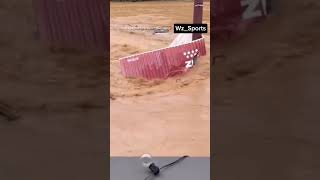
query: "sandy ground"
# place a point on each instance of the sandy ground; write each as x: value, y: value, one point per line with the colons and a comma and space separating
x: 163, y: 117
x: 266, y: 98
x: 62, y: 102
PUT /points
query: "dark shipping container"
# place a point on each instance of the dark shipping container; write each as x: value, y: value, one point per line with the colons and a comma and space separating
x: 75, y: 24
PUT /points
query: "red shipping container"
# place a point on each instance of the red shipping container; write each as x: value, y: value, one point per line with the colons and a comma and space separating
x: 162, y: 63
x: 234, y: 16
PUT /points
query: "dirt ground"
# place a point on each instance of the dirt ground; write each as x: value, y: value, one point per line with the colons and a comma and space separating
x: 266, y: 98
x: 162, y: 117
x: 61, y: 100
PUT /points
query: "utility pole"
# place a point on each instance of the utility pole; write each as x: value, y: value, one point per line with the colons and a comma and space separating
x: 197, y: 16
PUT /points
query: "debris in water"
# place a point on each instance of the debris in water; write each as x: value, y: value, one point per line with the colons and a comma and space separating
x: 7, y: 111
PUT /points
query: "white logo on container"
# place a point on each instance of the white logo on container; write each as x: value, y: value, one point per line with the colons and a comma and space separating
x: 191, y: 54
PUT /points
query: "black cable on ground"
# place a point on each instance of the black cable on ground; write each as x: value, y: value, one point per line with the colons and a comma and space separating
x: 168, y: 165
x: 174, y: 162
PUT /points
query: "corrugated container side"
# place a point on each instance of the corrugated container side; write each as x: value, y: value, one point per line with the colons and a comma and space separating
x: 76, y: 24
x: 232, y: 17
x: 160, y: 64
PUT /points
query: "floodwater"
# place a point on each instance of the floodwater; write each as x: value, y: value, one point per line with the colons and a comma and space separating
x: 162, y: 117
